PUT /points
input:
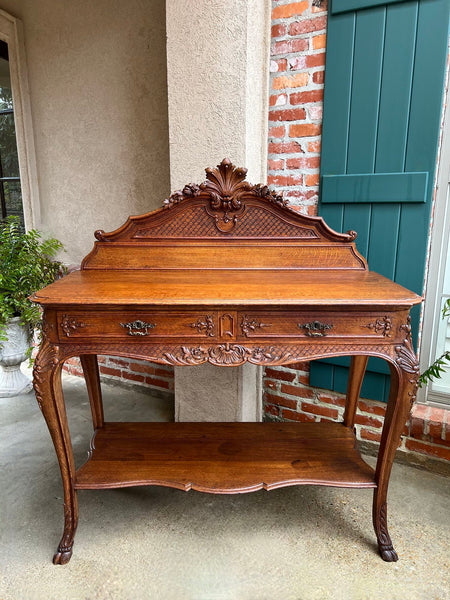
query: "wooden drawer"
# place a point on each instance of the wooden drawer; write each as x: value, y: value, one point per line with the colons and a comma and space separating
x: 137, y: 325
x: 319, y: 324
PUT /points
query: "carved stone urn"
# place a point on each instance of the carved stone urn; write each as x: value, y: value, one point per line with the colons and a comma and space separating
x: 12, y: 354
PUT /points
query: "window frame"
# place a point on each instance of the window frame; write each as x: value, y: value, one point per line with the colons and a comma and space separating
x: 11, y: 32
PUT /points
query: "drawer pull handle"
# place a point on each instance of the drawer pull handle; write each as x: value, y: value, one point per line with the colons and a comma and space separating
x: 315, y: 328
x: 138, y: 327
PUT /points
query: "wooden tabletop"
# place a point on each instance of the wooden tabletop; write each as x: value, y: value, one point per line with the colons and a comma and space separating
x: 267, y: 287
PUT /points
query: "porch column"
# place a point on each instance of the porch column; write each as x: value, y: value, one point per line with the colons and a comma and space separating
x: 217, y: 79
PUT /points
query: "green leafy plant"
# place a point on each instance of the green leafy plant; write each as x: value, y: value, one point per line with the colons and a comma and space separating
x: 441, y: 364
x: 27, y: 264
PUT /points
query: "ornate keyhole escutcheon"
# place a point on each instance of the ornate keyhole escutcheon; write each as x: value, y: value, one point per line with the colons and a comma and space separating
x: 315, y: 328
x: 138, y: 327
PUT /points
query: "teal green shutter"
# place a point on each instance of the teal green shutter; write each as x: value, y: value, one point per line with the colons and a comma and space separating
x: 384, y: 81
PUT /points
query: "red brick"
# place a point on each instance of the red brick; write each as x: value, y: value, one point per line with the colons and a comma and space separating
x: 280, y: 375
x: 323, y: 411
x: 290, y: 81
x: 134, y: 377
x: 297, y: 62
x: 319, y: 41
x: 318, y: 76
x: 312, y: 179
x: 109, y: 371
x: 303, y: 162
x: 120, y: 362
x: 278, y: 30
x: 299, y: 366
x: 424, y: 448
x: 160, y: 383
x: 284, y: 148
x: 161, y: 372
x: 447, y: 427
x: 285, y: 180
x: 305, y: 97
x: 78, y: 371
x: 272, y: 410
x: 373, y: 409
x: 315, y: 60
x: 301, y: 392
x: 271, y: 384
x: 291, y: 415
x: 284, y: 11
x: 280, y: 401
x: 281, y: 65
x: 304, y: 130
x: 291, y: 114
x: 435, y: 422
x: 367, y: 434
x: 275, y: 165
x: 289, y: 46
x: 304, y: 379
x: 307, y: 25
x: 314, y: 146
x: 101, y: 360
x: 336, y: 401
x: 368, y: 421
x: 277, y: 132
x: 418, y: 419
x: 142, y: 368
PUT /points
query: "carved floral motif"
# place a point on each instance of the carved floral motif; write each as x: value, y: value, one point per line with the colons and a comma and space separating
x: 226, y: 355
x: 407, y: 360
x: 70, y: 325
x: 46, y: 359
x: 382, y: 325
x: 189, y: 191
x: 226, y: 187
x: 249, y: 325
x: 205, y: 325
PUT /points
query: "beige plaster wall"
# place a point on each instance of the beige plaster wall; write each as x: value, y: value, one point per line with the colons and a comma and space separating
x: 98, y: 91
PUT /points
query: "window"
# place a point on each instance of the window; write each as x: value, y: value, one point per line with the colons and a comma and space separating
x: 10, y: 189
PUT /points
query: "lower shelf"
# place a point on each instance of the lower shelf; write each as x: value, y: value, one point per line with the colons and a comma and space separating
x: 224, y: 458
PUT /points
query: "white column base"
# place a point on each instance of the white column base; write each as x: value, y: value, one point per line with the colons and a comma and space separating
x: 209, y: 393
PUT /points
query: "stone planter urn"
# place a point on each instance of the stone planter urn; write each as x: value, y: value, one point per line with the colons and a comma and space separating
x: 12, y: 354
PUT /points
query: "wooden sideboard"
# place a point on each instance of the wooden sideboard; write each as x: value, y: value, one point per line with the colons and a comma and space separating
x: 225, y: 273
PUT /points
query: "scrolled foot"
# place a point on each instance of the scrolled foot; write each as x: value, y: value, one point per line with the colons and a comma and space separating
x: 388, y: 553
x: 62, y: 556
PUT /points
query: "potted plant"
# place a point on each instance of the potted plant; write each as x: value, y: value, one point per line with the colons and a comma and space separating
x: 27, y: 264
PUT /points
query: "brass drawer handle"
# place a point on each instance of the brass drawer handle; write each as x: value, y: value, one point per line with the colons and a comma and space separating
x: 315, y: 328
x: 138, y: 327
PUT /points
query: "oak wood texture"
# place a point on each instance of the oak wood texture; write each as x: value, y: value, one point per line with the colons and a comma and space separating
x: 208, y: 286
x: 225, y: 273
x: 224, y: 458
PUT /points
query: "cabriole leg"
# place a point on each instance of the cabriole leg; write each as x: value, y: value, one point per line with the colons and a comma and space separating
x: 355, y: 379
x: 92, y: 377
x: 404, y: 383
x: 47, y: 385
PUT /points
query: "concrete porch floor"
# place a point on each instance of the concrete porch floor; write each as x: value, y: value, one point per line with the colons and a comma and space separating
x: 299, y: 543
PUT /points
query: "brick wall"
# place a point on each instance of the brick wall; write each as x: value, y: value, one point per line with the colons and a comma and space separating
x: 158, y: 378
x: 295, y: 121
x: 295, y: 116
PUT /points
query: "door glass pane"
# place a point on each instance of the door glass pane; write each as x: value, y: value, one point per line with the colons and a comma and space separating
x: 10, y: 189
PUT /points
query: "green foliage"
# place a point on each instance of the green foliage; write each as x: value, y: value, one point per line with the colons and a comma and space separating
x: 27, y: 265
x: 441, y: 364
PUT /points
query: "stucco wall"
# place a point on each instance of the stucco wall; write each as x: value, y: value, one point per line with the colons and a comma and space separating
x: 98, y: 88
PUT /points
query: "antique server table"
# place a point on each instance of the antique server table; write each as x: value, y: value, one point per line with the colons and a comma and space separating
x: 225, y: 273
